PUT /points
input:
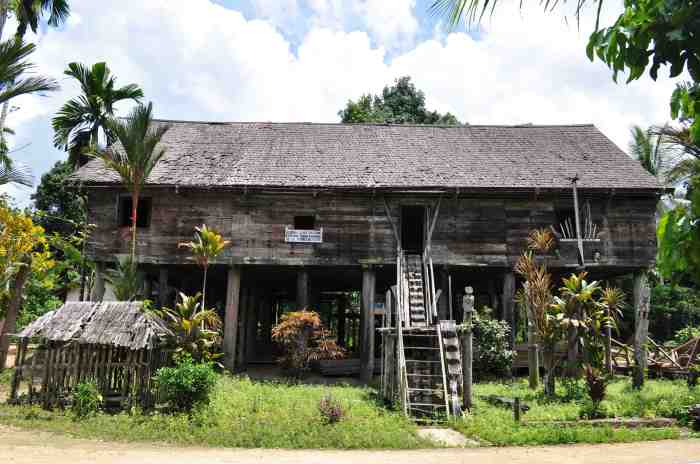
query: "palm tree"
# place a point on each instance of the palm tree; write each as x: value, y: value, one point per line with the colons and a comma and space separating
x: 135, y: 155
x: 207, y: 245
x: 15, y: 81
x: 650, y: 149
x: 79, y: 122
x: 28, y: 14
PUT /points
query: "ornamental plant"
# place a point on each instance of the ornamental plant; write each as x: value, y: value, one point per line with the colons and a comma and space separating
x: 207, y: 245
x: 186, y: 385
x: 304, y: 339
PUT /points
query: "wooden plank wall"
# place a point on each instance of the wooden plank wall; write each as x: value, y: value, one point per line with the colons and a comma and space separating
x: 471, y: 231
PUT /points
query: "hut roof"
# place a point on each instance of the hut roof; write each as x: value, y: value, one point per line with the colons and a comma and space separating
x: 383, y: 156
x: 116, y: 323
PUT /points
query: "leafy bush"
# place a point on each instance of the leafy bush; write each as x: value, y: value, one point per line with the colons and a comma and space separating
x: 86, y: 400
x: 574, y: 389
x: 331, y: 410
x: 186, y: 385
x: 673, y: 307
x: 304, y: 339
x: 686, y: 334
x: 492, y: 357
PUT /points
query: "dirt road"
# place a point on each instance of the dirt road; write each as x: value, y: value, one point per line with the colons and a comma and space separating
x: 21, y: 446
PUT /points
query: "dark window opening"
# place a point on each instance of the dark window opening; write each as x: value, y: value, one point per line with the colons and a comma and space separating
x: 412, y: 228
x: 143, y: 215
x: 304, y: 222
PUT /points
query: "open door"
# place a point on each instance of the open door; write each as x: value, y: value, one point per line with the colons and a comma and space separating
x: 413, y: 229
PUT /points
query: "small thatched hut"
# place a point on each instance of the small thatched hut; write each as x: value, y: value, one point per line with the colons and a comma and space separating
x: 116, y: 345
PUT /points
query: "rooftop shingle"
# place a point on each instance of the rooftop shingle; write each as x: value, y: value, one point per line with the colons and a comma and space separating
x: 207, y: 154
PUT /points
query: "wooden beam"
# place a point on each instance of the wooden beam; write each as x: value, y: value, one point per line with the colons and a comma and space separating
x: 242, y: 327
x: 391, y: 221
x: 233, y: 291
x: 367, y: 324
x: 509, y: 304
x: 252, y: 325
x: 579, y: 239
x: 98, y: 290
x: 302, y: 289
x: 163, y: 286
x: 433, y: 222
x: 641, y: 326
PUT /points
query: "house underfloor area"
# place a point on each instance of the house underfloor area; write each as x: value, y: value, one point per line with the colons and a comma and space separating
x: 350, y: 300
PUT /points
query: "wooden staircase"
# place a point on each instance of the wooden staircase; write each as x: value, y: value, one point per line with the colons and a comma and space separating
x: 429, y: 355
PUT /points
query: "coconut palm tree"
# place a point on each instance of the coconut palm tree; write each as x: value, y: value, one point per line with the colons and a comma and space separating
x: 15, y: 81
x: 28, y: 14
x: 80, y: 120
x: 134, y: 155
x: 650, y: 149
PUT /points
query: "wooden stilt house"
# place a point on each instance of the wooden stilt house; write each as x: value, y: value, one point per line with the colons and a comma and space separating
x: 320, y: 213
x: 116, y: 345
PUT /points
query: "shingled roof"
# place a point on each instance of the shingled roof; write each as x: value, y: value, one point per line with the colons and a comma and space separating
x: 116, y: 323
x: 361, y: 156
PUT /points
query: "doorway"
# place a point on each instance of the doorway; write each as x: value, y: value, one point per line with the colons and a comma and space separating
x: 412, y: 229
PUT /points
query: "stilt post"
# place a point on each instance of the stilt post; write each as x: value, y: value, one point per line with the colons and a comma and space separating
x: 367, y: 324
x: 233, y: 291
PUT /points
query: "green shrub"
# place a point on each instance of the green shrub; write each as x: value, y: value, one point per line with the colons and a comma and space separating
x: 672, y: 308
x: 86, y: 400
x: 686, y: 334
x: 492, y: 357
x: 186, y: 385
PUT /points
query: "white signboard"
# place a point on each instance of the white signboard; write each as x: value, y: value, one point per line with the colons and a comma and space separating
x: 303, y: 236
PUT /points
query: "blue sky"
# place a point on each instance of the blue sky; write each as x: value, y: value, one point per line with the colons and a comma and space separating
x: 301, y: 60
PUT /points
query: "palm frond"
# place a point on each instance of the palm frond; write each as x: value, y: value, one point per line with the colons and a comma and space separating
x: 30, y: 12
x: 20, y: 175
x: 27, y: 86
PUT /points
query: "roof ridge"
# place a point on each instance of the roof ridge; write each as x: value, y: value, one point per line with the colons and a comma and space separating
x: 311, y: 123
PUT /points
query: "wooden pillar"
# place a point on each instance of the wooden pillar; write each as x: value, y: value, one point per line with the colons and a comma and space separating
x: 252, y: 325
x: 508, y: 304
x: 98, y: 289
x: 533, y: 356
x: 467, y: 352
x: 367, y: 324
x: 233, y: 290
x: 342, y: 310
x: 242, y: 327
x: 641, y: 326
x: 444, y: 301
x: 163, y: 286
x: 302, y: 289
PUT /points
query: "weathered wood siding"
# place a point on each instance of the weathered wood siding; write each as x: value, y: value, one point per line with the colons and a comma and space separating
x: 471, y: 231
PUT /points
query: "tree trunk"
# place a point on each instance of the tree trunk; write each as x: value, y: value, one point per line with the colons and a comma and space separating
x: 641, y: 327
x: 204, y: 288
x: 549, y: 380
x: 13, y: 309
x: 134, y: 212
x: 5, y: 106
x: 533, y: 358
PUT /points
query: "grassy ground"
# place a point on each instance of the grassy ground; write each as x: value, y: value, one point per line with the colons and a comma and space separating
x: 244, y: 413
x: 495, y: 425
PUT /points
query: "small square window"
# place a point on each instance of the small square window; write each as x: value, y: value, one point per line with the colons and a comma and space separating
x: 304, y: 222
x: 143, y: 215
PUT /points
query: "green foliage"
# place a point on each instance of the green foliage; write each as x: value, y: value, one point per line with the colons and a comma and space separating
x: 673, y: 307
x: 207, y: 245
x: 685, y: 105
x: 400, y: 103
x: 649, y: 149
x: 492, y: 357
x: 685, y: 334
x: 79, y: 122
x: 137, y: 153
x: 125, y: 280
x: 248, y: 414
x: 39, y: 296
x: 186, y: 385
x: 197, y: 331
x: 86, y: 400
x: 59, y: 208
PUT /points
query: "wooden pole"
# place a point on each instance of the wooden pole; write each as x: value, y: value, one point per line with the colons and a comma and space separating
x: 579, y: 240
x: 163, y: 286
x: 342, y: 306
x: 233, y: 290
x: 367, y: 325
x: 509, y: 305
x: 533, y: 358
x: 246, y: 294
x: 467, y: 352
x: 302, y: 289
x: 98, y: 291
x: 252, y: 324
x: 641, y: 326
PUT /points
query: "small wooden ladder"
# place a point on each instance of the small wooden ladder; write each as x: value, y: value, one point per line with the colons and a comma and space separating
x: 416, y: 290
x: 425, y: 374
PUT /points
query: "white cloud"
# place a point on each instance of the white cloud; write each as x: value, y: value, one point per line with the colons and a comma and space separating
x: 198, y: 60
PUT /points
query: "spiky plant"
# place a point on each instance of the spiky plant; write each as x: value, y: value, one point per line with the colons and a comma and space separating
x: 125, y: 280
